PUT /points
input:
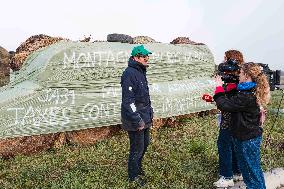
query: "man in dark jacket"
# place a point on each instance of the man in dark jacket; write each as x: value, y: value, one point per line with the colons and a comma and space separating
x: 136, y: 110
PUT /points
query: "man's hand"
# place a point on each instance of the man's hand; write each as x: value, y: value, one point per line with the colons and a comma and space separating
x: 140, y: 128
x: 141, y: 125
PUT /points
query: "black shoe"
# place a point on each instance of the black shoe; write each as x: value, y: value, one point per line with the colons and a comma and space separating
x: 138, y: 180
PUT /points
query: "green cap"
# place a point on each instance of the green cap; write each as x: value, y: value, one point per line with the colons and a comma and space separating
x: 140, y: 50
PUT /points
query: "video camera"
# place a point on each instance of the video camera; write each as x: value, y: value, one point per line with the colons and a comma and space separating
x: 229, y: 71
x: 275, y: 78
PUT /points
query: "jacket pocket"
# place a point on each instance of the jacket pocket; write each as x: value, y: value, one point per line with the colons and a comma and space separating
x: 145, y: 113
x: 128, y: 125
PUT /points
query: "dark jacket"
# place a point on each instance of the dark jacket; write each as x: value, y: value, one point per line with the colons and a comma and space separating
x: 226, y: 116
x: 136, y: 107
x: 245, y: 114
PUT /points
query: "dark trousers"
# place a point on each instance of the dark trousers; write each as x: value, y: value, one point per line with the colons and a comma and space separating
x: 248, y: 154
x: 227, y: 156
x: 139, y: 141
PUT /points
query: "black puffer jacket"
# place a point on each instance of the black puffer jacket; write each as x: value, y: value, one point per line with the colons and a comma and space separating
x: 226, y: 116
x: 245, y: 114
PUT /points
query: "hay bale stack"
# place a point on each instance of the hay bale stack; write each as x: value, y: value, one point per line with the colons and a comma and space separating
x: 32, y: 44
x: 184, y: 40
x: 143, y: 40
x: 26, y: 145
x: 52, y: 68
x: 29, y: 145
x: 91, y: 136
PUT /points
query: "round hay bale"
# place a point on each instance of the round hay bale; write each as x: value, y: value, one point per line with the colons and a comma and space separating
x: 32, y: 44
x: 184, y: 40
x: 18, y: 59
x: 143, y: 40
x: 86, y: 39
x: 115, y: 37
x: 4, y: 56
x: 4, y: 66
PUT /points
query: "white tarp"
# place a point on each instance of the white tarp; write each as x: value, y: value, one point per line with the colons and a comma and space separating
x: 73, y: 85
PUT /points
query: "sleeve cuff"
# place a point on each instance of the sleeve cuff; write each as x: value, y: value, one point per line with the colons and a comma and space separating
x: 219, y: 89
x: 231, y: 86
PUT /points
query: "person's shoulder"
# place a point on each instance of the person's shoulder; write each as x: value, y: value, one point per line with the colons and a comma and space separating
x: 130, y: 69
x: 247, y: 96
x: 129, y: 72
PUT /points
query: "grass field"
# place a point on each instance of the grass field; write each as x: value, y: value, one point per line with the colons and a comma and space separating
x: 178, y: 157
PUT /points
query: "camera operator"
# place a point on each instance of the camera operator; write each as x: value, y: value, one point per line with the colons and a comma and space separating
x: 245, y: 126
x: 228, y: 167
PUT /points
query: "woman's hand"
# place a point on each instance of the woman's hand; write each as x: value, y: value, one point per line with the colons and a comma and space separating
x: 219, y: 85
x: 219, y: 81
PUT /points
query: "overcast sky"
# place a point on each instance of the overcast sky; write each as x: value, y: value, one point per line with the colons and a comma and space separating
x: 254, y: 27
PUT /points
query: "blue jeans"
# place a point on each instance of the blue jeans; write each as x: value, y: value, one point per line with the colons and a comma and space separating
x: 248, y: 154
x: 227, y: 157
x: 139, y: 141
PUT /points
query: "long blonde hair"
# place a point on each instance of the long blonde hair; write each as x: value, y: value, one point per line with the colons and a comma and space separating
x: 262, y: 91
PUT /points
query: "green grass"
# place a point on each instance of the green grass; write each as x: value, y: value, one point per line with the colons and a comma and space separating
x: 181, y: 157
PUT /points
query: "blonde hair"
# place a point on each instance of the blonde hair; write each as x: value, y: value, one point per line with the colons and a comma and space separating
x: 262, y: 91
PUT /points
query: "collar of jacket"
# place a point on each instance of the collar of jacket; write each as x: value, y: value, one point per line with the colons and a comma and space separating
x: 246, y: 86
x: 134, y: 64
